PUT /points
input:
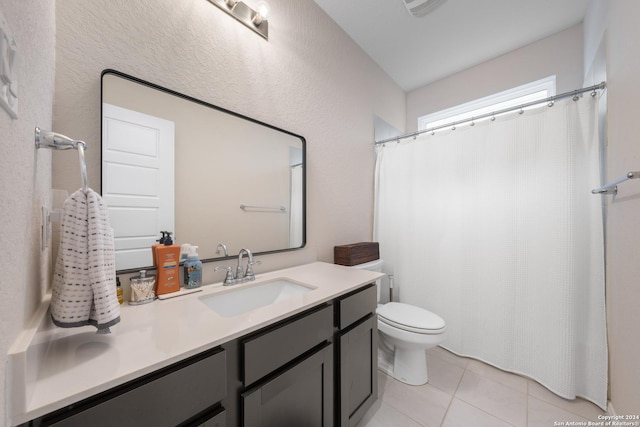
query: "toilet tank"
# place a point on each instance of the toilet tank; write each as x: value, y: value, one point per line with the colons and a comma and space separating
x: 375, y: 265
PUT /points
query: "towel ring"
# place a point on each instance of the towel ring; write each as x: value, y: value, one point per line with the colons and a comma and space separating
x: 57, y: 141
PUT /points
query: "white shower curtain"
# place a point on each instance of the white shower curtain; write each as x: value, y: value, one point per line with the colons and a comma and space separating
x: 296, y: 214
x: 494, y: 228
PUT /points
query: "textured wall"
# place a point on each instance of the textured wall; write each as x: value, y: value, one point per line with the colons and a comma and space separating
x: 616, y: 23
x: 560, y: 54
x: 309, y: 78
x: 26, y: 174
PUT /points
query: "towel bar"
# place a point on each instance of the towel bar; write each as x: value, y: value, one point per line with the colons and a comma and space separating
x: 612, y: 187
x: 263, y: 208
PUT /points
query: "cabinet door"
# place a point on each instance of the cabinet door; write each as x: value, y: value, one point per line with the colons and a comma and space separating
x: 302, y: 395
x: 358, y: 368
x: 218, y: 420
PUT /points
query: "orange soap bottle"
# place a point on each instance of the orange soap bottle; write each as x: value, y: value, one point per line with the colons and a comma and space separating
x: 168, y: 264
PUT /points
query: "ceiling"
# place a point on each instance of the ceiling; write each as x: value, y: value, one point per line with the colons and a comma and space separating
x: 415, y: 51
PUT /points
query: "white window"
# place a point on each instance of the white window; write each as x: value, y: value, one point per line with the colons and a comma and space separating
x: 529, y: 92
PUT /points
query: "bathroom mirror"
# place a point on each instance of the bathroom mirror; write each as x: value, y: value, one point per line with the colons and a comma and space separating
x: 211, y: 176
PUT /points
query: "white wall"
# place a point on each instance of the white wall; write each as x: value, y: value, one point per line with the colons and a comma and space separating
x: 26, y: 174
x: 559, y: 54
x: 616, y: 23
x: 309, y: 78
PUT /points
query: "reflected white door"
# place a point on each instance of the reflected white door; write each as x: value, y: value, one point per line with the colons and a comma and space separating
x: 137, y: 181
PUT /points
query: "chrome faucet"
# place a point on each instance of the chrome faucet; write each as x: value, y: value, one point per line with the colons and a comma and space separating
x: 223, y: 247
x: 241, y: 275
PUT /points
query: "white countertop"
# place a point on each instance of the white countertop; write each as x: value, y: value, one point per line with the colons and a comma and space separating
x: 51, y: 367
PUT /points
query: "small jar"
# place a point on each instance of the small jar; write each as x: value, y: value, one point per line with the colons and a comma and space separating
x: 142, y: 288
x: 119, y: 292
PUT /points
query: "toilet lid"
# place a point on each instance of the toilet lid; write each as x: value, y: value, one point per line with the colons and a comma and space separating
x: 411, y: 318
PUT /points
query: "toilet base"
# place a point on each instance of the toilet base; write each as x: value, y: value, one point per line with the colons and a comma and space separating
x: 410, y: 366
x: 406, y: 365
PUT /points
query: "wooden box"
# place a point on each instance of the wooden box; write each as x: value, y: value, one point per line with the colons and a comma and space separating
x: 356, y: 253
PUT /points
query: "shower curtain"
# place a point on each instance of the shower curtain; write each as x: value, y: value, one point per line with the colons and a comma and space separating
x: 296, y: 214
x: 494, y: 228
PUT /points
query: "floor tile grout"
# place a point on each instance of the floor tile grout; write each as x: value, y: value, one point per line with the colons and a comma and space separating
x: 476, y: 407
x: 486, y: 375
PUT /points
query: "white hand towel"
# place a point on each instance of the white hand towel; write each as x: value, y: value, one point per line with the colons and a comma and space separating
x: 84, y: 280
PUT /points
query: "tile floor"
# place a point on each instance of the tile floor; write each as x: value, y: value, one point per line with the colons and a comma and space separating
x: 467, y: 393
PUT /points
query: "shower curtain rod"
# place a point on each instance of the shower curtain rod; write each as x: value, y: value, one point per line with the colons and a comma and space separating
x: 549, y: 100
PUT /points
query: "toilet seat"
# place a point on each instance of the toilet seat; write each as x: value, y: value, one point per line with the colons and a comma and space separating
x: 411, y: 318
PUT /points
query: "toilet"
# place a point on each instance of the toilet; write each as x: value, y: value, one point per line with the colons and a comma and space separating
x: 405, y: 332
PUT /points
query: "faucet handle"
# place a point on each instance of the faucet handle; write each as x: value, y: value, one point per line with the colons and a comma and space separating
x: 229, y: 279
x: 249, y: 274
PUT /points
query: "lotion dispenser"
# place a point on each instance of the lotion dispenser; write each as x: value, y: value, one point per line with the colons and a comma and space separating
x: 168, y: 264
x: 154, y: 246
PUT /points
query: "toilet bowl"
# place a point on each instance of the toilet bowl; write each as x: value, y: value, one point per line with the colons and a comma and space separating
x: 405, y: 333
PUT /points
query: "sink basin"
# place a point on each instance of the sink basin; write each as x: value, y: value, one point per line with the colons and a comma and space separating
x: 233, y: 302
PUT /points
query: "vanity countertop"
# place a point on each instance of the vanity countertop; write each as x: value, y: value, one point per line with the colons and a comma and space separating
x: 50, y: 367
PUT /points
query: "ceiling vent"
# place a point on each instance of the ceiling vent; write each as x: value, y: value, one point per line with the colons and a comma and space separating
x: 421, y: 7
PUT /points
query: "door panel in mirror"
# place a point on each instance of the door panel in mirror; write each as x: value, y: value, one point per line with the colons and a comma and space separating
x: 223, y: 162
x: 137, y: 181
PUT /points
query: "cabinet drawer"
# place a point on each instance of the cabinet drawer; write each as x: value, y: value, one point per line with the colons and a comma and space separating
x: 165, y: 398
x: 276, y: 347
x: 356, y: 306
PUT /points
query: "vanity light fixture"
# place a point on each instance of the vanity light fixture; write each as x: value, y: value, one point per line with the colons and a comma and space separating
x: 262, y: 13
x: 255, y: 20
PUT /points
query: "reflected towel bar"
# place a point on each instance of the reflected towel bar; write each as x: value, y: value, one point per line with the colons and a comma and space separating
x: 56, y: 141
x: 612, y: 187
x: 263, y: 208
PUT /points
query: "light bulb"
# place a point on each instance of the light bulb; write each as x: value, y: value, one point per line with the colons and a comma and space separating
x: 262, y: 12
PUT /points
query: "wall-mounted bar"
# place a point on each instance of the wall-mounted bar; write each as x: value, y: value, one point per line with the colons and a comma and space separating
x: 612, y: 187
x: 56, y: 141
x: 263, y: 208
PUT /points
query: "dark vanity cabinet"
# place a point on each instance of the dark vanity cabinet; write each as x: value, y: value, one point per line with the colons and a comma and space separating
x: 187, y: 393
x: 357, y: 353
x: 302, y: 395
x: 314, y: 369
x: 287, y: 372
